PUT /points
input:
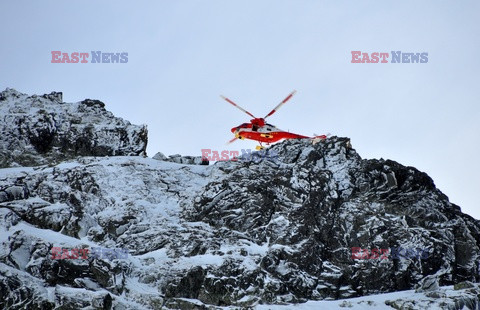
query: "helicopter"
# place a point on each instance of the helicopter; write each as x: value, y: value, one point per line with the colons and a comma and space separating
x: 259, y: 130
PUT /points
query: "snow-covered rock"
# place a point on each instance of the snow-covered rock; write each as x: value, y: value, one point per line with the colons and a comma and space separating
x: 179, y: 159
x: 37, y: 130
x: 238, y: 233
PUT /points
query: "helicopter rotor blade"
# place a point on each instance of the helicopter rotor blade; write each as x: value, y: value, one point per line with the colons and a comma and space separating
x: 280, y: 104
x: 237, y: 106
x: 233, y: 140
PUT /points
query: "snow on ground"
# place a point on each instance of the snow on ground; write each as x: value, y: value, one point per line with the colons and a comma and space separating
x: 376, y: 301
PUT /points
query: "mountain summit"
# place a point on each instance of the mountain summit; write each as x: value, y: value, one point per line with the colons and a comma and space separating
x: 37, y: 130
x: 235, y: 233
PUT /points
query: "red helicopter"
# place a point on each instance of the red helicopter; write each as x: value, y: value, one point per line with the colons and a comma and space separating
x: 261, y: 131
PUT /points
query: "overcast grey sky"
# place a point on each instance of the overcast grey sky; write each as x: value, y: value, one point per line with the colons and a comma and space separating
x: 183, y: 54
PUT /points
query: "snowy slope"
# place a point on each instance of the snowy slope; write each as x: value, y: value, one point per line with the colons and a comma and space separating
x: 446, y: 297
x: 132, y: 203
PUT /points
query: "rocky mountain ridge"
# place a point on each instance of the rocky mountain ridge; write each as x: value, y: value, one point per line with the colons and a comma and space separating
x: 39, y: 130
x: 231, y: 234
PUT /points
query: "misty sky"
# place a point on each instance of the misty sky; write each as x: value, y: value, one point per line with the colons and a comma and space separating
x: 183, y: 54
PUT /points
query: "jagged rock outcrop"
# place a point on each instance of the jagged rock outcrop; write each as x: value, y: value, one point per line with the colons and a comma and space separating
x: 37, y: 130
x: 236, y: 233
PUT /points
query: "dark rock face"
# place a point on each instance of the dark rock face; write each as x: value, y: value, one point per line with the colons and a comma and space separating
x: 319, y: 203
x: 233, y: 233
x: 39, y: 130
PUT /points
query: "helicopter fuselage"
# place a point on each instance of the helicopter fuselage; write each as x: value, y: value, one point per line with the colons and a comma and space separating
x: 267, y: 133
